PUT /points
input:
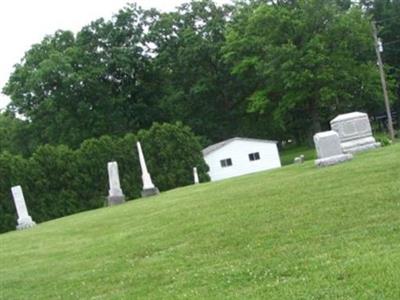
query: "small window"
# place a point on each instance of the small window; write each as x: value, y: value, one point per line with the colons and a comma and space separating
x: 254, y: 156
x: 226, y: 162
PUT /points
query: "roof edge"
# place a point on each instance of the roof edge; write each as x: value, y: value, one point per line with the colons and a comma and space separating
x: 219, y: 145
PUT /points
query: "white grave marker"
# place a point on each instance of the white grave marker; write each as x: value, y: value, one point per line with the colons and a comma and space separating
x: 354, y: 132
x: 24, y: 219
x: 195, y: 176
x: 328, y: 148
x: 115, y: 194
x: 148, y: 187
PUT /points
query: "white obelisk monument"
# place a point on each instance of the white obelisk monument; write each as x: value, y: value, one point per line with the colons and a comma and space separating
x: 195, y: 176
x: 24, y: 219
x: 115, y: 195
x: 148, y: 187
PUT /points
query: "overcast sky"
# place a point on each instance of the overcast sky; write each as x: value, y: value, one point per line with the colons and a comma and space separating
x: 26, y: 22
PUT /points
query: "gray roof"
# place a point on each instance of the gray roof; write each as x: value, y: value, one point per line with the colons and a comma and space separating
x: 219, y: 145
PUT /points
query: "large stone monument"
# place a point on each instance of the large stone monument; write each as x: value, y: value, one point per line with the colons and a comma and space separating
x: 354, y: 132
x: 328, y: 148
x: 148, y: 187
x: 115, y: 195
x: 24, y: 219
x: 195, y: 176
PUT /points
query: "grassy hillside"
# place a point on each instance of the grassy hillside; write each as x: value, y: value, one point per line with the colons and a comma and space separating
x: 293, y: 233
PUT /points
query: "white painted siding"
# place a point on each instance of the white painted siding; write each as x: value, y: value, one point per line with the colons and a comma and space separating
x: 238, y: 151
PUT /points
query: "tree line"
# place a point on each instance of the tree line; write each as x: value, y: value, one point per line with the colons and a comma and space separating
x: 258, y: 68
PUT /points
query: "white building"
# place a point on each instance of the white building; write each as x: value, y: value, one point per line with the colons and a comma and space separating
x: 239, y: 156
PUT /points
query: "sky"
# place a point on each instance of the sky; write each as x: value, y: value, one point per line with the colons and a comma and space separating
x: 26, y: 22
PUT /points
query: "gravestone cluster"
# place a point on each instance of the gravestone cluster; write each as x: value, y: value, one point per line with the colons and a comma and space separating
x: 115, y: 193
x: 350, y: 133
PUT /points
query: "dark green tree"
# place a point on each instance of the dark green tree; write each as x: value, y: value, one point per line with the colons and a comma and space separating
x: 98, y: 82
x: 307, y: 62
x: 15, y: 135
x: 386, y: 14
x: 197, y: 86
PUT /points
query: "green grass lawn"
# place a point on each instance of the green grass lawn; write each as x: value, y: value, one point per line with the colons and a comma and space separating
x: 294, y: 233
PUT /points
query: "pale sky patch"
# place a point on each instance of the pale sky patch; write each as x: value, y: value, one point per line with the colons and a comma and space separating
x: 26, y: 22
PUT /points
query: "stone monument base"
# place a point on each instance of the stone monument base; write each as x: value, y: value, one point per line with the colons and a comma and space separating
x: 333, y: 160
x: 115, y: 200
x: 150, y: 192
x: 25, y: 225
x: 360, y: 145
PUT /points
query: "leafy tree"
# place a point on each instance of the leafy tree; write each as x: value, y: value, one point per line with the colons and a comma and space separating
x: 308, y: 61
x: 197, y: 87
x: 15, y: 135
x: 98, y: 82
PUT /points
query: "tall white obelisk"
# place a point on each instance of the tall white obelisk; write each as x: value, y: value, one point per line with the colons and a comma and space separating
x: 115, y: 194
x: 148, y: 187
x: 24, y: 219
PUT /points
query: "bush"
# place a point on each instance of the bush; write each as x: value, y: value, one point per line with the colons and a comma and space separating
x: 13, y: 171
x: 58, y: 181
x: 171, y: 152
x: 384, y: 140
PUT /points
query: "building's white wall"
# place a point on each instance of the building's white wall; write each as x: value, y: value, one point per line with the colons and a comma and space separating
x: 239, y: 152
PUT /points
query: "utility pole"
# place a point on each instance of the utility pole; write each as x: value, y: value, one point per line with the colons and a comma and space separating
x: 378, y: 49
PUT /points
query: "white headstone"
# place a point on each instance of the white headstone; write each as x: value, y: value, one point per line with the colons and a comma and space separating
x: 115, y: 194
x: 354, y: 132
x: 148, y: 187
x: 195, y: 176
x: 24, y: 219
x: 327, y: 144
x: 328, y: 148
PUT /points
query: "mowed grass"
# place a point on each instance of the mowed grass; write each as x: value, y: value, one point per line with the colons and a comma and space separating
x: 294, y: 233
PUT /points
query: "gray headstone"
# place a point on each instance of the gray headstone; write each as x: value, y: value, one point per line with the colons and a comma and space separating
x: 327, y: 144
x: 354, y: 132
x: 24, y: 219
x: 115, y: 194
x: 329, y: 151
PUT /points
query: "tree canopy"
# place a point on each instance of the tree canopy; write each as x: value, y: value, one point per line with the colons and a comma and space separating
x: 310, y: 59
x: 267, y: 69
